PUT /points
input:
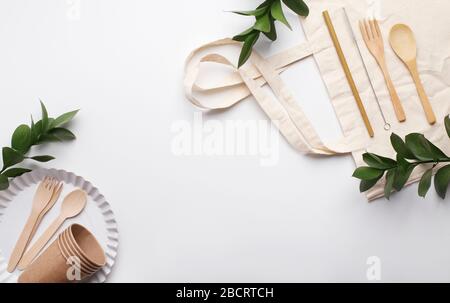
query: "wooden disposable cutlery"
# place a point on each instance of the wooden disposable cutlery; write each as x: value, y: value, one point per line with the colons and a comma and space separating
x: 72, y: 206
x: 404, y: 44
x: 374, y: 40
x: 41, y: 199
x: 53, y: 200
x: 387, y: 126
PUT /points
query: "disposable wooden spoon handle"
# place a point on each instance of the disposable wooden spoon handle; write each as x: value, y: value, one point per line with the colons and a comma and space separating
x: 22, y: 242
x: 398, y: 108
x: 431, y: 117
x: 40, y: 243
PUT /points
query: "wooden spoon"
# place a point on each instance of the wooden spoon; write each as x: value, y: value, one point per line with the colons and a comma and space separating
x: 404, y: 44
x: 72, y: 206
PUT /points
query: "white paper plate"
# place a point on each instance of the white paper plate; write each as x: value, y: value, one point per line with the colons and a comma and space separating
x: 15, y: 207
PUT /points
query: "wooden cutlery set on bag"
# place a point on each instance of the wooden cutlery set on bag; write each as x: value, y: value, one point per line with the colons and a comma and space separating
x: 74, y: 256
x: 403, y: 43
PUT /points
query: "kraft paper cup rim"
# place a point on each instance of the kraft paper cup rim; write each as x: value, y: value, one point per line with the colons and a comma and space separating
x: 87, y: 268
x: 83, y: 259
x: 67, y: 253
x: 64, y: 252
x: 71, y: 241
x: 94, y: 243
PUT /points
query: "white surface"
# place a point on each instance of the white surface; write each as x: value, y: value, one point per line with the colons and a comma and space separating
x: 15, y: 207
x: 202, y: 219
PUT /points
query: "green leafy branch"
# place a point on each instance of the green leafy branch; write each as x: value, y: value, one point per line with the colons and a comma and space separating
x: 415, y: 151
x: 25, y: 137
x: 266, y: 14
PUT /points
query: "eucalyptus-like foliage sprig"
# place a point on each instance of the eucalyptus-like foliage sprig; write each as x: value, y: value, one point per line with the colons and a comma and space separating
x: 412, y: 152
x: 25, y: 137
x: 266, y: 14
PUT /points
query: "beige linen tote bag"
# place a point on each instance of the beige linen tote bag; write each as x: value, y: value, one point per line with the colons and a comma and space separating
x: 431, y: 25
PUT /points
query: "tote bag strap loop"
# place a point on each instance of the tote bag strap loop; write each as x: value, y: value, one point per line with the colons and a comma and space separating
x: 282, y: 110
x: 230, y: 89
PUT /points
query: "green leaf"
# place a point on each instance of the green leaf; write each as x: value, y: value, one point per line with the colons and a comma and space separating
x: 242, y: 36
x: 62, y: 134
x: 436, y: 152
x: 402, y: 175
x: 45, y: 122
x: 402, y: 162
x: 278, y: 14
x: 64, y: 119
x: 36, y: 131
x: 263, y: 23
x: 379, y: 162
x: 16, y: 172
x: 425, y: 183
x: 272, y: 35
x: 447, y: 125
x: 441, y: 181
x: 247, y: 47
x: 4, y: 183
x: 42, y: 158
x: 368, y: 173
x: 365, y: 185
x: 50, y: 121
x: 390, y: 179
x: 298, y: 6
x: 257, y: 12
x: 420, y: 147
x: 265, y: 3
x: 21, y: 139
x: 34, y: 134
x: 266, y: 14
x: 423, y: 149
x: 11, y: 157
x: 401, y: 148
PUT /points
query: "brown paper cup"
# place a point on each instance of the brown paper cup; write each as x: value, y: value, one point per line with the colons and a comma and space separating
x: 74, y: 246
x: 85, y: 266
x: 68, y: 252
x: 66, y: 261
x: 87, y: 245
x: 51, y: 267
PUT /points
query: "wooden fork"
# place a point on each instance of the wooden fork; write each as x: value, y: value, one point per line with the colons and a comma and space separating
x: 42, y: 197
x: 51, y: 203
x: 374, y: 40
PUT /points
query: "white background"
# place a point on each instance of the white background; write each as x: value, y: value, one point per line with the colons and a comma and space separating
x: 201, y: 219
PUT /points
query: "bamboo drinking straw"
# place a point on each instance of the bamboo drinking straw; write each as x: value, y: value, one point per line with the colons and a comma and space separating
x: 347, y: 72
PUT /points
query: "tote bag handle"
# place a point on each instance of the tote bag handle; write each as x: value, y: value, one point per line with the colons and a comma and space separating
x: 284, y: 112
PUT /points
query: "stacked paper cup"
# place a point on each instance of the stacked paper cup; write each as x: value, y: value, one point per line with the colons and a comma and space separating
x: 73, y: 257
